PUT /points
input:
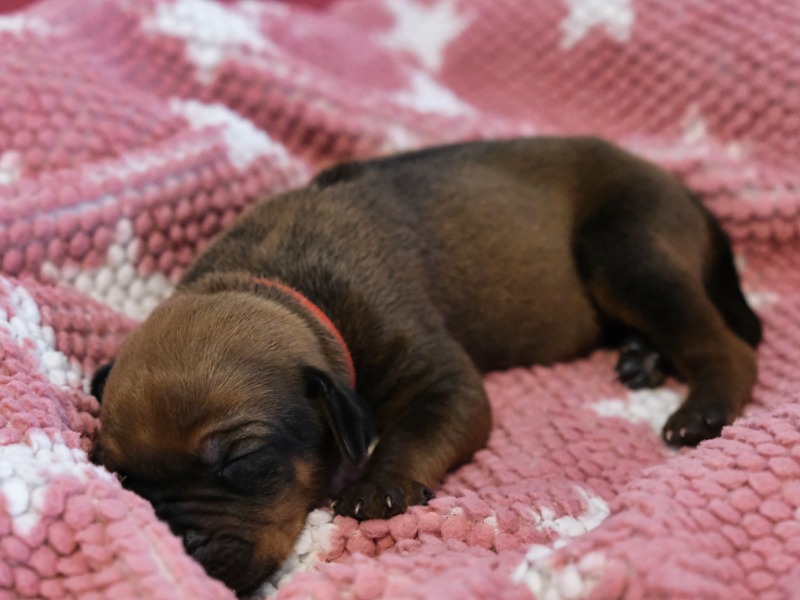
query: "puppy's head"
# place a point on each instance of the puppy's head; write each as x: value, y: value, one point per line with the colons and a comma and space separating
x: 222, y: 410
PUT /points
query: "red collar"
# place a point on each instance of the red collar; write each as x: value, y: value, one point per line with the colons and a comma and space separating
x: 323, y: 319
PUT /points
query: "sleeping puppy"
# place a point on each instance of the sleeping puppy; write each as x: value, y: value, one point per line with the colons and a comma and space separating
x: 366, y: 306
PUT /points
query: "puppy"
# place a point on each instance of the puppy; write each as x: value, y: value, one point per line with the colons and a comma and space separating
x: 365, y: 307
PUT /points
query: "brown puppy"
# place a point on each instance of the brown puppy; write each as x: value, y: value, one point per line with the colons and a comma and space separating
x: 226, y: 407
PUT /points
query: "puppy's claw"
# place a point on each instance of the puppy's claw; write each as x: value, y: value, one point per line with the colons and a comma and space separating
x: 381, y: 498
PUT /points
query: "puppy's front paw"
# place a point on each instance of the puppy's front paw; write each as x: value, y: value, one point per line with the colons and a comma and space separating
x: 380, y: 498
x: 693, y: 423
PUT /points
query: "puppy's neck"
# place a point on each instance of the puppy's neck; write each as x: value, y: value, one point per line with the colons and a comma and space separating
x: 319, y: 315
x: 287, y: 295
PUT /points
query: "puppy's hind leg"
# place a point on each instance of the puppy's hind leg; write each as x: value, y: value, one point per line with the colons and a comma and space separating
x: 634, y: 273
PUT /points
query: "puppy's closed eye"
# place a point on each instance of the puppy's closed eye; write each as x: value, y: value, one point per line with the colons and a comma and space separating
x: 257, y: 471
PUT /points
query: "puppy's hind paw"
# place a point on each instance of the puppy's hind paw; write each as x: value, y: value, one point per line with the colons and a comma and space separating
x: 640, y: 365
x: 691, y: 424
x: 380, y: 498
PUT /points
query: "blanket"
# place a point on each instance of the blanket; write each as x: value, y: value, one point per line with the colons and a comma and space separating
x: 131, y: 133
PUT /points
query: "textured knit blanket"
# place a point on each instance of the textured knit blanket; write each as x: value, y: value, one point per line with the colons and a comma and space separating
x: 132, y: 132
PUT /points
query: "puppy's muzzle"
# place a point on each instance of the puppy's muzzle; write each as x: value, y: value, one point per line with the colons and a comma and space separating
x: 212, y: 533
x: 224, y: 555
x: 228, y: 558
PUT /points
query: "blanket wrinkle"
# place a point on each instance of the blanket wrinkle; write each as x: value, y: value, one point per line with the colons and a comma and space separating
x: 132, y: 133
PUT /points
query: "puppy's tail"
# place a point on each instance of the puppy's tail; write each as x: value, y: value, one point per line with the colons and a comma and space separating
x: 724, y: 288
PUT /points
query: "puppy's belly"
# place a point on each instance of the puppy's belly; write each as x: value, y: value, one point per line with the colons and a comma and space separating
x: 506, y: 280
x: 538, y: 320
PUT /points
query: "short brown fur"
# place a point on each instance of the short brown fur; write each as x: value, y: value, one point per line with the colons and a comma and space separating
x: 434, y: 266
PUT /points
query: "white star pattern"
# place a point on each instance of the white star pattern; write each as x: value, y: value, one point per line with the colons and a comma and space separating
x: 567, y: 583
x: 641, y: 406
x: 427, y: 95
x: 22, y: 23
x: 758, y: 299
x: 695, y: 133
x: 425, y: 31
x: 116, y: 283
x: 695, y: 130
x: 25, y: 470
x: 615, y: 16
x: 212, y: 33
x: 27, y: 330
x: 10, y: 167
x: 314, y: 540
x: 245, y: 142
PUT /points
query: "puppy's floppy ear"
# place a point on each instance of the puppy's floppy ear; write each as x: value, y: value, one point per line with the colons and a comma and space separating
x: 99, y: 381
x: 345, y: 412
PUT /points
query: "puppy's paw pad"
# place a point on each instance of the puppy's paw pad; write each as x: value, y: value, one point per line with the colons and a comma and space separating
x: 690, y: 425
x: 380, y: 499
x: 640, y: 366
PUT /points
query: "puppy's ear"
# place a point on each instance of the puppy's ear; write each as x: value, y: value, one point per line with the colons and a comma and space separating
x: 99, y: 381
x: 345, y: 412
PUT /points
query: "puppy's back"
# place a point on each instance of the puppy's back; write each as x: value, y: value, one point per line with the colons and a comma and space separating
x: 484, y: 231
x: 495, y: 223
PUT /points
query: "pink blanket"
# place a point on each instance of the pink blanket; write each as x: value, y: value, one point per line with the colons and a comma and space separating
x: 132, y: 132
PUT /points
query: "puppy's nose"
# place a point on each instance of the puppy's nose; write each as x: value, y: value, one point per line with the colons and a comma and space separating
x: 225, y: 557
